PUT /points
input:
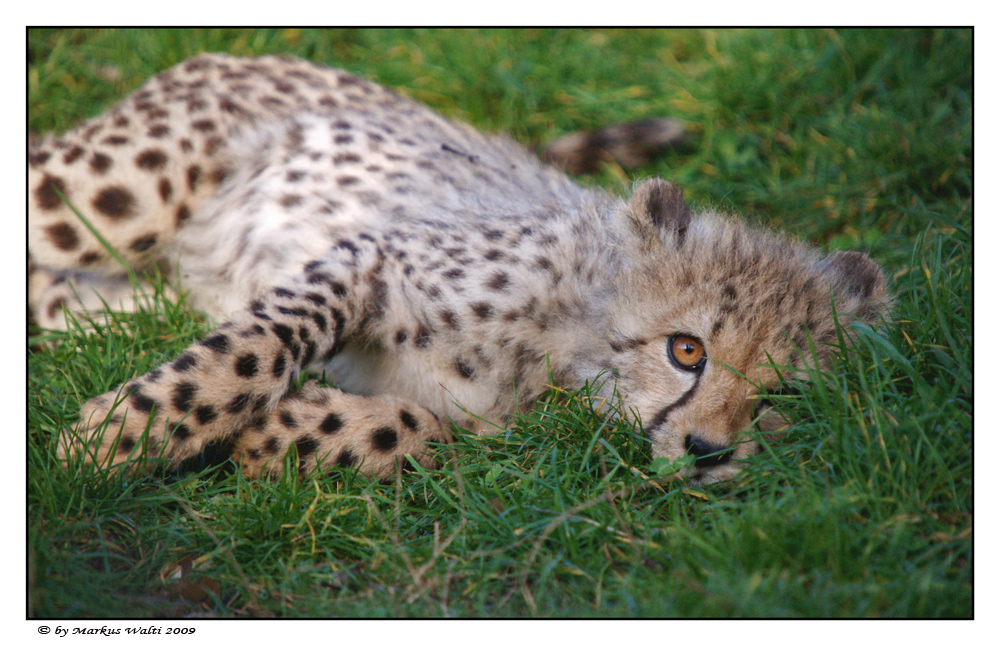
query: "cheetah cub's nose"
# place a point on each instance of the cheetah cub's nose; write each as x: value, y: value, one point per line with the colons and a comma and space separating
x: 707, y: 454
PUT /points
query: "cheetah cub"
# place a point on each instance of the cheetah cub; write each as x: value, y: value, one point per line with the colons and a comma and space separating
x: 434, y: 273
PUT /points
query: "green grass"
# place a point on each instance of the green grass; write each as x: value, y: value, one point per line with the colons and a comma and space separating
x: 851, y: 139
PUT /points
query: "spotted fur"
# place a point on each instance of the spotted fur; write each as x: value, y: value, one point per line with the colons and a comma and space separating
x: 433, y: 272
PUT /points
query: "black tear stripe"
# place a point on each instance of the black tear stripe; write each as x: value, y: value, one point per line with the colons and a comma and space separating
x: 682, y: 400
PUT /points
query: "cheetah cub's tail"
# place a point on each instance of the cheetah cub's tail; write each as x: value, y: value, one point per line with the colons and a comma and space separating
x: 630, y: 145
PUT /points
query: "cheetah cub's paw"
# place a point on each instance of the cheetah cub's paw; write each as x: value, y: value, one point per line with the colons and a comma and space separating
x: 331, y: 428
x: 114, y: 425
x: 107, y: 431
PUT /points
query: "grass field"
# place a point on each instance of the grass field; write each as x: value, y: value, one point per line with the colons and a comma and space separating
x: 850, y: 139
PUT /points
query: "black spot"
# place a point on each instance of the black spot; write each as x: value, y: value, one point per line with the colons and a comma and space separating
x: 184, y: 362
x: 287, y: 419
x: 285, y: 333
x: 309, y: 353
x: 346, y: 158
x: 99, y: 163
x: 151, y: 160
x: 143, y: 243
x: 193, y: 177
x: 37, y: 159
x: 449, y: 320
x: 289, y: 201
x: 319, y: 277
x: 218, y: 175
x: 453, y: 274
x: 400, y: 337
x: 141, y: 401
x: 346, y: 459
x: 257, y: 309
x: 422, y: 339
x: 246, y: 365
x: 293, y: 311
x: 348, y: 245
x: 279, y: 365
x: 125, y: 444
x: 716, y: 327
x: 498, y: 281
x: 384, y: 439
x: 73, y: 154
x: 46, y: 195
x: 158, y: 131
x: 306, y: 445
x: 205, y: 414
x: 238, y: 403
x: 409, y: 421
x: 55, y: 306
x: 63, y: 236
x: 115, y: 202
x: 331, y: 424
x: 255, y: 330
x: 482, y: 310
x: 319, y: 321
x: 219, y: 343
x: 181, y: 432
x: 338, y: 320
x: 282, y: 292
x: 272, y: 446
x: 204, y: 125
x: 184, y: 393
x: 464, y: 369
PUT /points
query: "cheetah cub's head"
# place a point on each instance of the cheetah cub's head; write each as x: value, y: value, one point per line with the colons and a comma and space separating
x: 708, y: 306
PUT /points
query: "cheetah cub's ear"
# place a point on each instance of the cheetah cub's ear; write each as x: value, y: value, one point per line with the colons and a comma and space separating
x: 658, y: 212
x: 859, y: 286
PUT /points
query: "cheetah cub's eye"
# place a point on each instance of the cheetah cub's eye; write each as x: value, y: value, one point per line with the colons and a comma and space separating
x: 686, y: 352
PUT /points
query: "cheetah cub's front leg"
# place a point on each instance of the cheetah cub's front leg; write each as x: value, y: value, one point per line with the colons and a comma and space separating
x: 235, y: 381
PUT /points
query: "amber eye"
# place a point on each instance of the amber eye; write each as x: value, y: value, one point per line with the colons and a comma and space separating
x: 686, y: 352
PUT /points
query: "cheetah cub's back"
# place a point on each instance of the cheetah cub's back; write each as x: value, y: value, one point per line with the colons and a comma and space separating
x: 435, y: 273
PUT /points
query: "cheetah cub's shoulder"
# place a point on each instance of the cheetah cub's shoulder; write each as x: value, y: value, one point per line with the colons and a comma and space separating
x: 431, y: 271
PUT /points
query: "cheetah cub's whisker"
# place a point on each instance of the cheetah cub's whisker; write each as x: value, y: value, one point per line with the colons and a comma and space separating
x: 337, y: 226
